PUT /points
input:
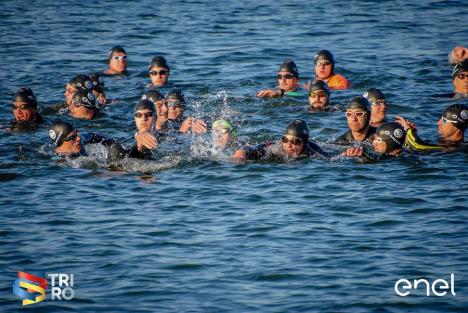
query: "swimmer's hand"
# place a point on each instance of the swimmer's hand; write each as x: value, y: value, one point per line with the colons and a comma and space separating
x: 405, y: 123
x: 458, y: 54
x: 186, y: 125
x: 199, y: 126
x: 146, y: 140
x: 353, y: 152
x: 239, y: 156
x: 269, y: 93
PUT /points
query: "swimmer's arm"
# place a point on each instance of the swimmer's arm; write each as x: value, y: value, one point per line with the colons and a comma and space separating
x: 415, y: 143
x: 458, y: 54
x: 270, y: 93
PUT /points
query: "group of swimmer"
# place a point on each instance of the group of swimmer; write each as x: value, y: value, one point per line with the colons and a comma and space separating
x: 369, y: 134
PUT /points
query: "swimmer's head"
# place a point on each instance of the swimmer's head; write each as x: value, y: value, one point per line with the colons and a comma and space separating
x: 144, y: 113
x: 324, y: 64
x: 373, y: 95
x: 389, y: 137
x: 290, y: 67
x: 84, y: 98
x: 298, y: 128
x: 358, y: 113
x: 175, y: 102
x: 81, y: 81
x: 223, y: 132
x: 115, y: 50
x: 159, y: 71
x: 153, y: 96
x: 58, y: 132
x: 319, y: 94
x: 144, y: 104
x: 457, y: 115
x: 26, y: 97
x: 460, y: 77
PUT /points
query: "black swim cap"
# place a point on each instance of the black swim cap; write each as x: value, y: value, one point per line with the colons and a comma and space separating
x: 176, y: 94
x: 393, y: 134
x: 25, y: 94
x: 97, y: 83
x: 81, y: 82
x: 298, y: 128
x: 457, y: 114
x: 460, y: 67
x: 324, y: 55
x: 114, y: 49
x: 84, y: 98
x: 359, y: 102
x: 373, y: 95
x: 59, y: 131
x: 144, y: 105
x: 320, y: 85
x: 158, y: 61
x: 289, y: 66
x: 153, y: 96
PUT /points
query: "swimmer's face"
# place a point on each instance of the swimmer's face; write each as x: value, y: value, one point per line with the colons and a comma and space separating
x: 81, y: 112
x: 287, y: 81
x: 69, y: 93
x: 144, y: 119
x: 174, y: 109
x: 460, y: 82
x: 118, y: 63
x: 379, y: 145
x: 357, y: 119
x: 292, y: 146
x: 159, y: 76
x: 23, y: 112
x: 323, y: 69
x: 221, y: 136
x: 378, y: 110
x: 319, y: 99
x: 446, y: 129
x: 161, y: 108
x: 71, y: 144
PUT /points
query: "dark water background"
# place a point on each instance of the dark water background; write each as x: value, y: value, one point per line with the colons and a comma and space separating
x: 201, y: 234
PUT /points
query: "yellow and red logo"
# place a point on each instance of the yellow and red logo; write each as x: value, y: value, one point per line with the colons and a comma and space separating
x: 30, y: 287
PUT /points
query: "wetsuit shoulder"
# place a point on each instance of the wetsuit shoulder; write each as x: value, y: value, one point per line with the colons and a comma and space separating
x: 314, y: 149
x: 296, y: 94
x: 137, y: 154
x: 338, y: 82
x: 258, y: 151
x: 344, y: 139
x: 415, y: 143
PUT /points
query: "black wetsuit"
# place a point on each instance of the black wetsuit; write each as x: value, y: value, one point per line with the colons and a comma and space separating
x: 26, y: 125
x: 327, y: 108
x: 274, y: 149
x: 348, y: 139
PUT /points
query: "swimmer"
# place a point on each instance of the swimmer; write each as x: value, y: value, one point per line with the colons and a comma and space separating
x: 378, y: 106
x: 24, y: 107
x: 325, y: 70
x: 224, y: 134
x: 117, y: 60
x: 451, y: 128
x: 159, y: 71
x: 160, y: 105
x: 76, y: 83
x: 288, y: 82
x: 295, y: 144
x: 83, y: 105
x: 175, y: 102
x: 70, y: 143
x: 146, y: 138
x: 458, y: 54
x: 358, y: 117
x: 388, y: 142
x: 319, y: 97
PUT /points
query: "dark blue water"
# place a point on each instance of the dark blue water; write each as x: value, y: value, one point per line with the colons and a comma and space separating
x: 191, y: 233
